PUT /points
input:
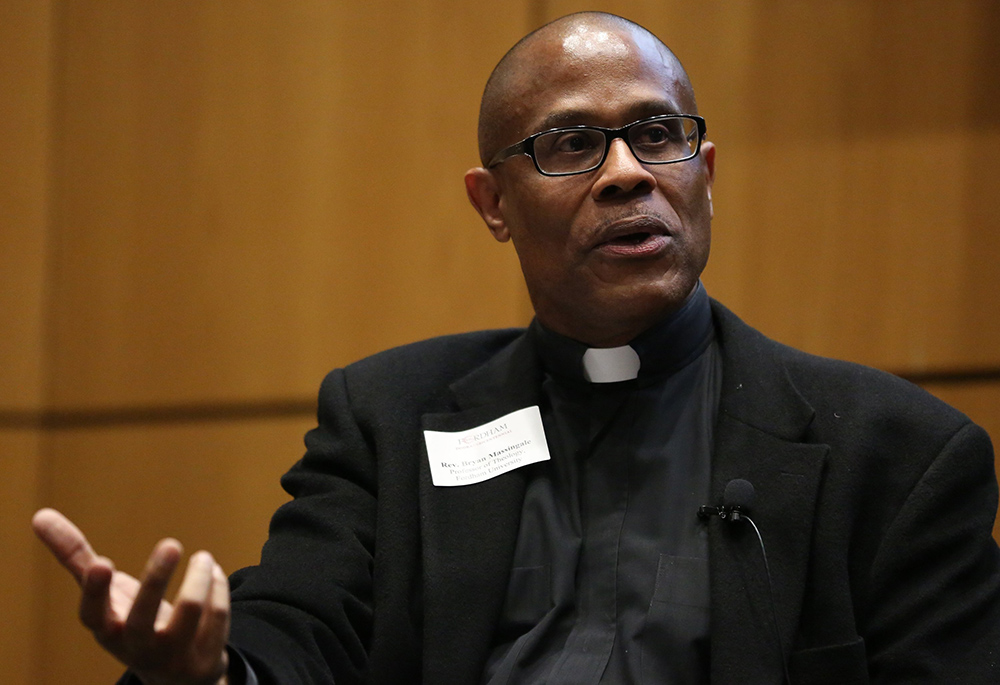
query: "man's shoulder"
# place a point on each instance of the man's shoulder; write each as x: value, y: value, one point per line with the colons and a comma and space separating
x: 421, y: 370
x: 829, y: 384
x: 459, y: 350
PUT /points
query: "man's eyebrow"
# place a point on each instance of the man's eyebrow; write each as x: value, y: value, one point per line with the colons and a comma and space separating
x: 581, y: 117
x: 572, y: 117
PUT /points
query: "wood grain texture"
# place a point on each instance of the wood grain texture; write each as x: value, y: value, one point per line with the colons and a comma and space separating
x: 21, y: 593
x: 25, y: 134
x: 25, y: 101
x: 249, y: 195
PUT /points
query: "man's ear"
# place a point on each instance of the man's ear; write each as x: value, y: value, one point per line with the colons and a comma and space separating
x: 707, y: 153
x: 484, y: 194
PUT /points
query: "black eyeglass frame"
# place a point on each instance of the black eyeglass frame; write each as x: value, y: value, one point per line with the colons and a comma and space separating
x: 527, y: 146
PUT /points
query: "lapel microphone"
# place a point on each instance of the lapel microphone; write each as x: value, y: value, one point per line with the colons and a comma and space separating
x: 736, y: 501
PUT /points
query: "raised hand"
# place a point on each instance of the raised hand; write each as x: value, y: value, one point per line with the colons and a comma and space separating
x: 183, y: 643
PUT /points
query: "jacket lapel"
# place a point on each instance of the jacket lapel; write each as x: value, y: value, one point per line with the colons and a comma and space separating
x: 759, y: 437
x: 469, y: 531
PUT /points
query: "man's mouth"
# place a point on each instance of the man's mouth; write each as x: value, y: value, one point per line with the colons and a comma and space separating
x: 629, y: 239
x: 635, y: 237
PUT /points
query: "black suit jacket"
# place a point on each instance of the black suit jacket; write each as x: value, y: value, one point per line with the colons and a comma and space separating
x: 875, y: 503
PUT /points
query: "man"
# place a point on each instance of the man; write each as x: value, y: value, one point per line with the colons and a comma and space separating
x: 522, y: 506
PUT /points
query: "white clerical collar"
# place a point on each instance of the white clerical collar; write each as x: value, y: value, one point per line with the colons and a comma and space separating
x: 610, y: 364
x: 665, y: 347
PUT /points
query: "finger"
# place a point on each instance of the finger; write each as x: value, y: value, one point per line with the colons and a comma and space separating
x: 95, y: 600
x: 159, y: 569
x: 213, y: 631
x: 66, y: 542
x: 208, y: 649
x: 192, y: 597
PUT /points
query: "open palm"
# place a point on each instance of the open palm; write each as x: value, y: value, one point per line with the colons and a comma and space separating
x: 183, y: 643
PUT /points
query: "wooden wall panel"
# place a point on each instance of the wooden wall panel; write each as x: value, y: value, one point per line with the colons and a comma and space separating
x: 212, y: 485
x: 250, y: 194
x: 25, y: 45
x: 25, y: 49
x: 20, y: 591
x: 859, y: 153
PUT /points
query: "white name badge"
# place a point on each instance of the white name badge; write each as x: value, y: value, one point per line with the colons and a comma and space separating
x: 484, y: 452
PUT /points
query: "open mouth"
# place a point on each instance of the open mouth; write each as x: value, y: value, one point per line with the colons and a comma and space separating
x: 639, y: 235
x: 635, y: 244
x: 630, y: 239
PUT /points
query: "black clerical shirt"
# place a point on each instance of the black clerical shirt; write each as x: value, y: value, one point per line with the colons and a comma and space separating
x: 610, y: 576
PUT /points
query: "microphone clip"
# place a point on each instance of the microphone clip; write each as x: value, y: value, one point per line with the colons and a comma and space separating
x: 735, y: 502
x: 733, y: 513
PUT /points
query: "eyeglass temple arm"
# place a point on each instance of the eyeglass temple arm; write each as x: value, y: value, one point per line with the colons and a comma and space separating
x: 520, y: 148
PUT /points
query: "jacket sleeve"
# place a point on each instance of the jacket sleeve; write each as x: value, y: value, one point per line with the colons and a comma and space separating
x: 935, y: 580
x: 304, y: 614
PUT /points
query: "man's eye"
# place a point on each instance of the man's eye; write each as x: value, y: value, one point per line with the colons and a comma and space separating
x: 576, y: 141
x: 656, y: 134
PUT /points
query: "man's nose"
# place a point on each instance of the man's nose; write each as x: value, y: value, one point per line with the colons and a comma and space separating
x: 622, y: 173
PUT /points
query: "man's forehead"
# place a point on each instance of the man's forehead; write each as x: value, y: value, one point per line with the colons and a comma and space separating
x: 596, y: 76
x: 579, y: 46
x: 569, y: 113
x: 589, y: 68
x: 585, y: 42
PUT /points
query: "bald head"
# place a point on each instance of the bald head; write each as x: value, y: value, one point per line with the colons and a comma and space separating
x: 572, y: 40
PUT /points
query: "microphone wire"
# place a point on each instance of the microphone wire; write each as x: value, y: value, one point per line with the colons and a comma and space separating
x: 770, y: 596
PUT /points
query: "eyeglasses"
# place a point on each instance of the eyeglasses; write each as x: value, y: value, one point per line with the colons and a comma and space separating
x: 662, y: 139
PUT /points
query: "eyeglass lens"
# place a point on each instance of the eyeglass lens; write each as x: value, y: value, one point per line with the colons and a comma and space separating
x: 581, y: 149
